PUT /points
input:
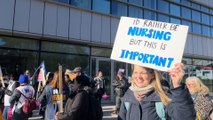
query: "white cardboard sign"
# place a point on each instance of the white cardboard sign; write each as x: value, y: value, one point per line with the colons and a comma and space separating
x: 153, y: 44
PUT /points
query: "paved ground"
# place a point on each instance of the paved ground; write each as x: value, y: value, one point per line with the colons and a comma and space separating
x: 107, y: 109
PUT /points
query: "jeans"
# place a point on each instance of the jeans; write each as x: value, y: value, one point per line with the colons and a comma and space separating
x: 5, y: 112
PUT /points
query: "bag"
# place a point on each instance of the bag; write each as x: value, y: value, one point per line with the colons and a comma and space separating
x: 105, y: 96
x: 29, y: 105
x: 95, y: 109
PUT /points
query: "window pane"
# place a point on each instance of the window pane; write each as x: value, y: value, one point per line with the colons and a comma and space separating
x: 19, y: 43
x: 63, y: 1
x: 86, y: 4
x: 175, y: 20
x: 149, y: 15
x: 174, y: 9
x: 188, y: 24
x: 196, y: 28
x: 195, y: 15
x: 211, y: 20
x: 186, y: 13
x: 205, y: 18
x: 186, y: 2
x: 101, y: 52
x: 163, y: 6
x: 211, y: 11
x: 67, y: 61
x: 206, y: 30
x: 119, y: 9
x: 137, y: 2
x: 17, y: 61
x: 205, y: 9
x: 196, y: 6
x: 150, y: 4
x: 187, y: 61
x: 176, y: 0
x: 64, y: 48
x: 212, y: 31
x: 102, y: 6
x: 135, y: 12
x: 163, y: 18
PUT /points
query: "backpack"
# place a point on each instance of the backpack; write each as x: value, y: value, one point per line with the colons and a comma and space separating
x: 29, y: 105
x: 95, y: 109
x: 159, y: 107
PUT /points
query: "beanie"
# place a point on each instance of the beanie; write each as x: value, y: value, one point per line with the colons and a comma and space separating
x: 23, y: 79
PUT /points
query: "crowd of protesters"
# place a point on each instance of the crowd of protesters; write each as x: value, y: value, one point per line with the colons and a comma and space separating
x: 147, y: 97
x: 77, y: 91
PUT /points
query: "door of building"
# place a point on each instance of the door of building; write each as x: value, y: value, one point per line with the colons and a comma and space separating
x: 104, y: 65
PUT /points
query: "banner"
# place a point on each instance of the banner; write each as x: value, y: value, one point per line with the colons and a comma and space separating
x: 153, y: 44
x: 41, y: 75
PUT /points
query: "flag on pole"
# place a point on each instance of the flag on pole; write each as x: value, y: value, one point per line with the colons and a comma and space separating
x: 41, y: 75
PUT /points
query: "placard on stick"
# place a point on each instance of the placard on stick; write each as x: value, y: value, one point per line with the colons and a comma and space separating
x: 153, y: 44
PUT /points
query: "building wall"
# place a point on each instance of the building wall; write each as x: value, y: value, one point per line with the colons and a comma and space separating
x: 46, y: 19
x: 50, y: 20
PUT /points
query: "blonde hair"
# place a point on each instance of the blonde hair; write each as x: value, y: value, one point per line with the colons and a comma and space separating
x: 157, y: 85
x: 198, y: 85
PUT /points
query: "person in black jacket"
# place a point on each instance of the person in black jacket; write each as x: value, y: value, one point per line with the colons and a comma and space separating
x: 77, y: 105
x: 120, y: 85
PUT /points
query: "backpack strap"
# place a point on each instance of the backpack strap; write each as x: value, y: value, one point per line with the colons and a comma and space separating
x: 127, y: 105
x: 23, y: 94
x: 159, y: 107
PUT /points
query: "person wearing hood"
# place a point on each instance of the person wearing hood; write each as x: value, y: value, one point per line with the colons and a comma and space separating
x: 77, y: 105
x: 139, y: 102
x: 18, y: 98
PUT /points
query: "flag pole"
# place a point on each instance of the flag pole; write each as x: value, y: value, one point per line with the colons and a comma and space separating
x: 60, y: 88
x: 1, y: 78
x: 38, y: 90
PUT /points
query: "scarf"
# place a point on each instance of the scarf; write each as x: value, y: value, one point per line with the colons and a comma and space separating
x: 140, y: 93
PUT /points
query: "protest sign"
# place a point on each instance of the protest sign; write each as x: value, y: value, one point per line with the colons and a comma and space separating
x: 153, y: 44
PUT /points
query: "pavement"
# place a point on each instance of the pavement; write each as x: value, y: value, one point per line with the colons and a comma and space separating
x: 107, y: 110
x: 106, y: 107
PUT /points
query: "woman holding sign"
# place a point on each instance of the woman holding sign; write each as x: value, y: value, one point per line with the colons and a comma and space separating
x: 146, y: 99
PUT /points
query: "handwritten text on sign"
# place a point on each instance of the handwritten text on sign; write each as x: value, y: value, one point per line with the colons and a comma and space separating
x: 153, y: 44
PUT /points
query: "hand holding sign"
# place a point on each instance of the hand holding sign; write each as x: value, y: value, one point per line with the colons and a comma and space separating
x: 177, y: 74
x: 152, y: 44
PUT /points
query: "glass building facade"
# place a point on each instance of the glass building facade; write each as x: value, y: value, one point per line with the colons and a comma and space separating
x: 198, y: 17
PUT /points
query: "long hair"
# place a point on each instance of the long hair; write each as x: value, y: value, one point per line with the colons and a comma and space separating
x: 55, y: 81
x: 198, y: 85
x: 156, y: 84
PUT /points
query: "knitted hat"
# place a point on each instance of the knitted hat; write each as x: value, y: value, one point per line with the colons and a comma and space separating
x: 23, y: 79
x: 77, y: 69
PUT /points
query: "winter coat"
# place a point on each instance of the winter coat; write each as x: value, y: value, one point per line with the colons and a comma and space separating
x: 77, y: 107
x: 181, y: 107
x: 120, y: 86
x: 17, y: 100
x: 47, y: 96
